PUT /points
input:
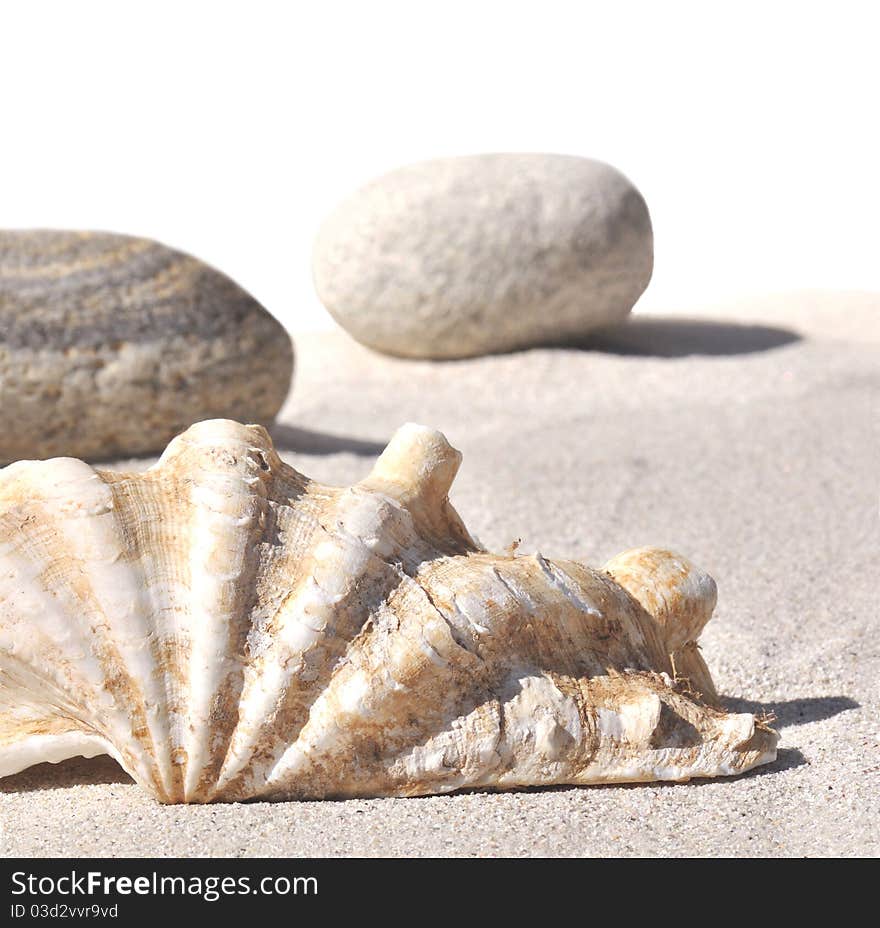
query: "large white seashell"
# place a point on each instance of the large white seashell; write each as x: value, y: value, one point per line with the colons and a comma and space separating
x: 228, y: 629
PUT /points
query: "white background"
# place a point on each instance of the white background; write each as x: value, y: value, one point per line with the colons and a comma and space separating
x: 229, y: 130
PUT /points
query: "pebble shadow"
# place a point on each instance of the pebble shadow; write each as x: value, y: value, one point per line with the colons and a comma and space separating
x: 671, y: 337
x: 305, y: 441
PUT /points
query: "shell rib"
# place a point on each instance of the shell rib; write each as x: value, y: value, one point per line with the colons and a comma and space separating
x: 228, y: 629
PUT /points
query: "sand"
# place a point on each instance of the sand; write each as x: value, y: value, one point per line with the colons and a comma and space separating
x: 750, y: 441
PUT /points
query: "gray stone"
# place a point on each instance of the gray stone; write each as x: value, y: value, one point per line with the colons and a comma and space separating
x: 489, y: 253
x: 111, y: 345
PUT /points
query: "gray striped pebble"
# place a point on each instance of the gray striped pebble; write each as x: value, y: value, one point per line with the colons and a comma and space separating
x: 111, y: 345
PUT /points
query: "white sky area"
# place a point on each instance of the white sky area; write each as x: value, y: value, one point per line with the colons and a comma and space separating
x: 230, y: 130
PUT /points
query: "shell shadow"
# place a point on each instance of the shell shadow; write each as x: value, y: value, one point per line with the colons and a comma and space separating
x: 795, y: 711
x: 305, y: 441
x: 786, y: 759
x: 787, y: 713
x: 77, y: 771
x: 680, y: 337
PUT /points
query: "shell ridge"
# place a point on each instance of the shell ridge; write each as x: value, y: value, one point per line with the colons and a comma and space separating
x: 223, y: 568
x: 343, y: 543
x: 255, y: 718
x: 390, y: 663
x: 147, y: 517
x: 71, y: 497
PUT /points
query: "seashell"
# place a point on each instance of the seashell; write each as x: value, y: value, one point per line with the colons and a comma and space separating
x: 228, y: 629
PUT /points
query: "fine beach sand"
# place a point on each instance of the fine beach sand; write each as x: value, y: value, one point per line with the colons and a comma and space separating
x: 749, y: 441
